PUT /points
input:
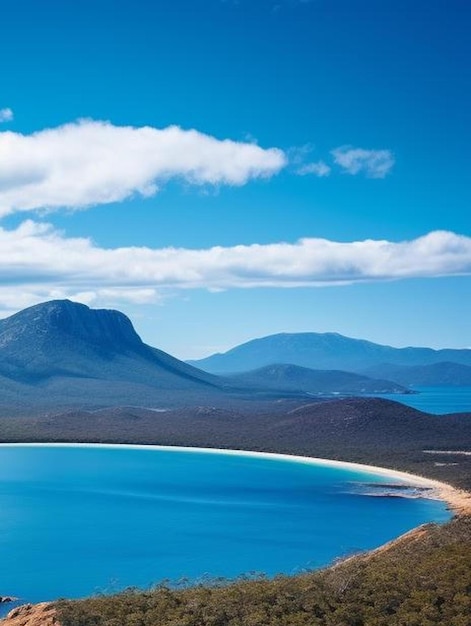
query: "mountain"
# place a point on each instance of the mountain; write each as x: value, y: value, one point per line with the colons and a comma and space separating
x: 436, y: 375
x: 61, y: 355
x: 296, y: 378
x: 64, y: 353
x: 329, y: 351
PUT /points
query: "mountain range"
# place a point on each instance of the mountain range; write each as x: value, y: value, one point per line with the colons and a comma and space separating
x: 62, y: 355
x: 331, y: 351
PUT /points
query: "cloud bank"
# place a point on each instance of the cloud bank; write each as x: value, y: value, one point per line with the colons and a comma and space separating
x: 90, y: 162
x: 42, y: 263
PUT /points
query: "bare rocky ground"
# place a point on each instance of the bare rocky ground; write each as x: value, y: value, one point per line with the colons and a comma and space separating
x: 43, y: 614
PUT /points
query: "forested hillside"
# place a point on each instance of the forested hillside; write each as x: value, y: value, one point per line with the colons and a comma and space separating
x: 422, y: 579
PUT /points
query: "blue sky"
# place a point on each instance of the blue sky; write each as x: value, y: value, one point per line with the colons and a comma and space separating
x: 349, y: 131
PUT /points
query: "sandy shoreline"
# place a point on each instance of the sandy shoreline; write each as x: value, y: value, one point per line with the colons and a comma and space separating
x: 457, y: 500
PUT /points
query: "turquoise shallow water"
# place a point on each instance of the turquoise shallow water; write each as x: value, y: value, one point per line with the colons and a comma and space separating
x: 78, y: 520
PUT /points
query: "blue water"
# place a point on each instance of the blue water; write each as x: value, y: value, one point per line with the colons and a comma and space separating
x: 438, y: 400
x: 79, y: 520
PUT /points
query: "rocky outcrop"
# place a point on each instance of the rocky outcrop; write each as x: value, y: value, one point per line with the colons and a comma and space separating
x: 43, y: 614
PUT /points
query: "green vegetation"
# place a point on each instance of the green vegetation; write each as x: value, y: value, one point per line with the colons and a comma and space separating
x: 423, y: 579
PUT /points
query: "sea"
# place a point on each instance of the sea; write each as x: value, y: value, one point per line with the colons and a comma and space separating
x: 437, y: 400
x: 80, y: 520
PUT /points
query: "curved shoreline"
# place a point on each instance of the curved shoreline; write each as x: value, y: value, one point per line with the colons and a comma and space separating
x: 457, y: 500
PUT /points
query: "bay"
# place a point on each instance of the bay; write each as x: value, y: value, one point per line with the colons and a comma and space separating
x: 436, y: 400
x: 78, y: 520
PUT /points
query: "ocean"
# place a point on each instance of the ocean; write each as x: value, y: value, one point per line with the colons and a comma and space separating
x: 79, y: 520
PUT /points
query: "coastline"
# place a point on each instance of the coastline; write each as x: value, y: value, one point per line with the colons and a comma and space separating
x: 458, y: 501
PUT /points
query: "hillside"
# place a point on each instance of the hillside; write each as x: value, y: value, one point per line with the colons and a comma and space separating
x: 421, y: 579
x: 63, y: 354
x: 295, y: 378
x: 329, y: 351
x: 364, y: 430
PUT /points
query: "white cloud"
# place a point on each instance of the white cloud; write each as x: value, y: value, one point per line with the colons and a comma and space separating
x: 91, y: 162
x: 42, y: 263
x: 319, y: 169
x: 6, y: 115
x: 372, y: 163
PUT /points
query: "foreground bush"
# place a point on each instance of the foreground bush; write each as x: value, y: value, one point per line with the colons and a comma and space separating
x: 423, y: 579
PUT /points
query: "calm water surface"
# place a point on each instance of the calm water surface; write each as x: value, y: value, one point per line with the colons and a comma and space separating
x: 79, y: 520
x: 438, y: 400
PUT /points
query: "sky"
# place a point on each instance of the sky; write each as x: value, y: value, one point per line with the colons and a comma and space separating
x: 221, y: 170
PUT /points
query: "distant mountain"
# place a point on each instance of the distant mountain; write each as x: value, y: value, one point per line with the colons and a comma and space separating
x: 61, y: 355
x: 435, y: 375
x: 296, y: 378
x: 329, y: 351
x: 64, y: 353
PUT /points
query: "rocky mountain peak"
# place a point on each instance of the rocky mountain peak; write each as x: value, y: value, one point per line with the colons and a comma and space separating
x: 101, y: 327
